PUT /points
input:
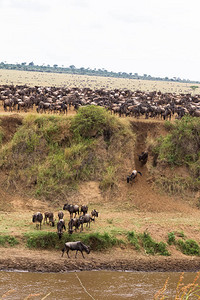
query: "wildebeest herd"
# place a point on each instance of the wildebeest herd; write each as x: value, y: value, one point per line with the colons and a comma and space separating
x: 122, y: 102
x: 75, y: 222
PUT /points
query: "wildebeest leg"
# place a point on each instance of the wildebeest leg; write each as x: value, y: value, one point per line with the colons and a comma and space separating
x: 68, y: 253
x: 81, y: 253
x: 63, y: 250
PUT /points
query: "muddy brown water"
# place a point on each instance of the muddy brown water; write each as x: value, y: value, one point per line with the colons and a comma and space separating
x: 89, y: 285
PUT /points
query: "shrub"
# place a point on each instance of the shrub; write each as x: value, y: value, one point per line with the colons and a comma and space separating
x: 152, y: 247
x: 171, y: 238
x: 133, y: 239
x: 189, y: 247
x: 92, y: 121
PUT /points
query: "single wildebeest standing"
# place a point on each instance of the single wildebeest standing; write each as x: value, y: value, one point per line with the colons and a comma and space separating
x: 74, y: 222
x: 37, y: 218
x: 49, y: 215
x: 133, y: 175
x: 60, y: 227
x: 60, y: 215
x: 84, y: 209
x: 85, y: 219
x: 94, y: 214
x: 71, y: 209
x: 78, y: 246
x: 143, y: 157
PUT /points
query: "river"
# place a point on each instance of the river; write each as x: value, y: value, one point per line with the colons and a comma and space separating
x: 88, y: 285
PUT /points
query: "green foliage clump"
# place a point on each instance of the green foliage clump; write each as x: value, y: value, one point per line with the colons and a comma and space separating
x: 182, y: 144
x: 50, y: 240
x: 171, y: 238
x: 8, y: 240
x: 133, y: 239
x: 92, y: 121
x: 152, y: 247
x: 42, y: 240
x: 189, y: 247
x: 181, y: 147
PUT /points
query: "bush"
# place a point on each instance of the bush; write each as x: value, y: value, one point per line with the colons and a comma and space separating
x: 133, y: 239
x: 171, y: 238
x: 189, y: 247
x: 182, y: 144
x: 152, y: 247
x: 92, y: 121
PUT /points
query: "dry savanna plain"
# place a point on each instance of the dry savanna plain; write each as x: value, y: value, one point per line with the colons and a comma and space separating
x: 139, y: 207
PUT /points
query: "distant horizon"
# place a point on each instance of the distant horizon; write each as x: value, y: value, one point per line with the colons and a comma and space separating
x: 87, y: 70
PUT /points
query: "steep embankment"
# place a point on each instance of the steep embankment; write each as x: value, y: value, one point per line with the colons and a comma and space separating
x: 141, y: 193
x: 138, y: 207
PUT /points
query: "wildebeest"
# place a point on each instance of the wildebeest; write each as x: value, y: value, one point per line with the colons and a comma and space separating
x: 133, y: 175
x: 84, y: 209
x: 49, y: 215
x: 94, y: 214
x: 37, y: 218
x: 85, y: 219
x: 74, y: 222
x: 60, y: 227
x: 143, y: 157
x: 60, y: 215
x: 78, y: 246
x: 71, y: 209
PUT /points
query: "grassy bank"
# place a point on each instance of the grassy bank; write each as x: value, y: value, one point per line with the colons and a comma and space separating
x: 178, y: 151
x: 50, y: 155
x: 141, y: 242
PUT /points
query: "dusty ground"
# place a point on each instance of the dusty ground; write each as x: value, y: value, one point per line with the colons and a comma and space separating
x: 138, y: 206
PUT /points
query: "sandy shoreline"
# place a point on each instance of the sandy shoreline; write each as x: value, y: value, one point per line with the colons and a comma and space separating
x: 51, y: 261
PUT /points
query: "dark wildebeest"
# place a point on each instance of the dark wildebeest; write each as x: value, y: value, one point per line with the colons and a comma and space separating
x: 37, y: 218
x: 143, y: 157
x: 60, y: 215
x: 49, y: 215
x: 85, y: 219
x: 94, y: 214
x: 84, y: 209
x: 60, y: 227
x: 71, y: 209
x: 133, y: 175
x: 78, y: 246
x: 74, y: 222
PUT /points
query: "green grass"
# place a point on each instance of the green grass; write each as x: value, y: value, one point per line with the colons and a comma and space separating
x: 133, y: 239
x: 50, y: 155
x: 188, y: 247
x: 145, y: 241
x: 180, y: 147
x: 7, y: 240
x: 49, y: 240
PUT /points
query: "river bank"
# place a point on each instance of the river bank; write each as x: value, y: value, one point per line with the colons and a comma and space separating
x: 115, y: 259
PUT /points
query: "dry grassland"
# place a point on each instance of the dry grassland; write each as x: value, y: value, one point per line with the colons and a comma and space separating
x: 94, y: 82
